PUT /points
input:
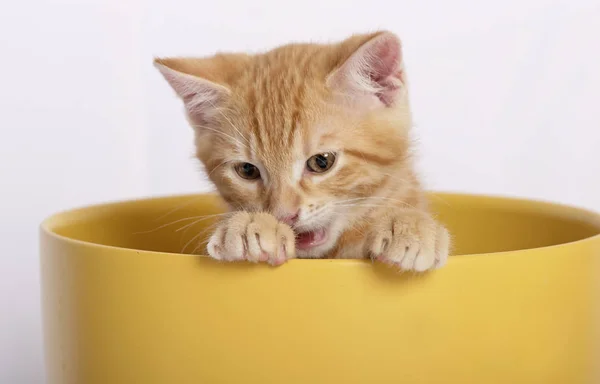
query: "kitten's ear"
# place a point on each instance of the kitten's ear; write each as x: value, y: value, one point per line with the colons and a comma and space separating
x: 373, y: 69
x: 201, y: 97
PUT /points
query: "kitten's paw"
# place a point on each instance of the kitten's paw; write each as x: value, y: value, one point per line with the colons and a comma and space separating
x: 253, y: 237
x: 411, y: 240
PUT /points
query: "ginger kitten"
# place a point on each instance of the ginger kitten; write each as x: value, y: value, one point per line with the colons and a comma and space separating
x: 309, y: 145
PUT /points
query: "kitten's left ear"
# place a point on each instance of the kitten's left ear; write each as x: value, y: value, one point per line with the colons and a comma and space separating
x: 202, y: 83
x: 200, y: 96
x: 373, y: 70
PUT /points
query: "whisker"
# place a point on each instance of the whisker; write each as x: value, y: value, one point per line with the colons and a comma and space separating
x: 231, y: 123
x: 185, y: 204
x: 223, y: 134
x: 202, y: 219
x: 440, y: 199
x: 205, y: 241
x: 220, y: 110
x: 395, y: 200
x: 199, y: 234
x: 373, y: 197
x: 361, y: 205
x: 200, y: 245
x: 175, y: 222
x: 215, y: 168
x: 374, y: 204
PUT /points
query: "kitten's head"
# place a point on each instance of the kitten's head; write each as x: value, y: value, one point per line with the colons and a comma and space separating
x: 315, y: 134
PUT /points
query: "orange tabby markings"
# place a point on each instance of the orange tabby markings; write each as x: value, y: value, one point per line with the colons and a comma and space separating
x: 343, y: 105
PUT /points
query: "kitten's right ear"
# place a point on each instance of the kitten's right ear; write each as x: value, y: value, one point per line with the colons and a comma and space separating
x: 200, y: 96
x: 374, y: 69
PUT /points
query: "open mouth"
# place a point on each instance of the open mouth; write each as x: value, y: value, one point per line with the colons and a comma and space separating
x: 310, y: 239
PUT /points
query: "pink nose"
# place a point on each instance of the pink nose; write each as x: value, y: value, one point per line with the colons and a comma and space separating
x: 290, y: 219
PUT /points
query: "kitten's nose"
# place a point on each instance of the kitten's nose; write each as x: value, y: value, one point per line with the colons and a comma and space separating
x: 290, y: 219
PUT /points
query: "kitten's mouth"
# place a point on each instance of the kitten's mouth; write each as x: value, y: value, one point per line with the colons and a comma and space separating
x: 310, y: 239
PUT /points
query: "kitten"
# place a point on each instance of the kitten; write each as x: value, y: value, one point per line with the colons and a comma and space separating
x: 309, y: 143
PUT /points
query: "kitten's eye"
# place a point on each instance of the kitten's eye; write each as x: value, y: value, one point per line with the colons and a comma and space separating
x: 247, y: 171
x: 321, y: 163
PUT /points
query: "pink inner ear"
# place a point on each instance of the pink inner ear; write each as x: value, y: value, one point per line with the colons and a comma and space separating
x: 384, y: 68
x: 201, y: 97
x: 202, y: 104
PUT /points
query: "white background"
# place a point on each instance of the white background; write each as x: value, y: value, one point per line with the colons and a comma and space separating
x: 505, y: 95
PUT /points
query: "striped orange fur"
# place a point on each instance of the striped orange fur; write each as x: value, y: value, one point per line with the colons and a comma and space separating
x: 277, y: 109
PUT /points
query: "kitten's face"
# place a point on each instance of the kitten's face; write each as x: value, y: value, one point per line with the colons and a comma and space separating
x: 291, y: 132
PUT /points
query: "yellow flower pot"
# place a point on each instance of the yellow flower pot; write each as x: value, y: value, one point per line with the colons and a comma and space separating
x: 519, y: 302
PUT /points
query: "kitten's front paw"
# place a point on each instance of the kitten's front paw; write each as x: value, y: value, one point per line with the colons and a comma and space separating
x: 411, y: 240
x: 254, y: 237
